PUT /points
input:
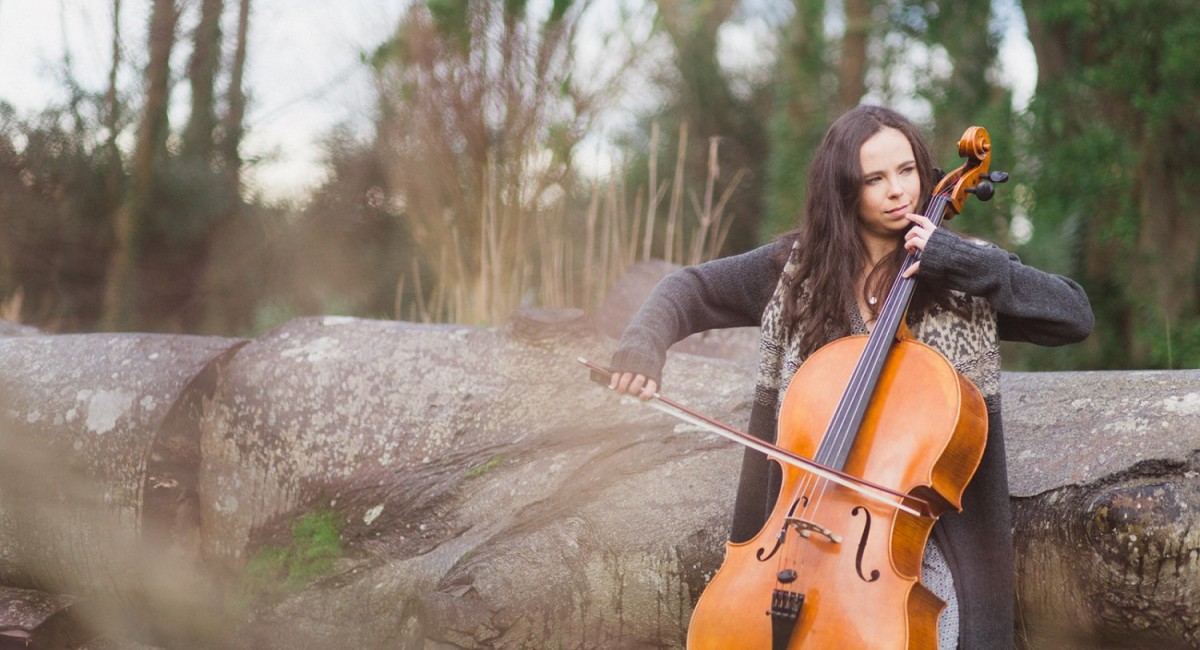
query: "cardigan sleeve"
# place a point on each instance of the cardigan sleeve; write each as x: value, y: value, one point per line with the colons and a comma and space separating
x: 727, y: 292
x: 1031, y: 305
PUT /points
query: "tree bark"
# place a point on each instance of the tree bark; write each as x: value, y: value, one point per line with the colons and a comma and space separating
x: 1168, y: 241
x: 475, y: 511
x: 198, y: 143
x: 120, y: 298
x: 112, y: 117
x: 852, y: 70
x: 234, y: 120
x: 802, y: 111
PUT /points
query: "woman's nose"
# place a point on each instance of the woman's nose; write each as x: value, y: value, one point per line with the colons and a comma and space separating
x: 895, y: 187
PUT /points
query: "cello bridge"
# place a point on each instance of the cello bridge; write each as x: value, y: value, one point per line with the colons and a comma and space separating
x: 806, y: 528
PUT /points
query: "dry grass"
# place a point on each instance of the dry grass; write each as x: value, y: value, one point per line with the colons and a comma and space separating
x: 10, y: 307
x: 535, y: 254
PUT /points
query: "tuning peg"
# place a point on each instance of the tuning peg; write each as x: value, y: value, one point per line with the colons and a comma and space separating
x: 984, y: 190
x: 997, y: 177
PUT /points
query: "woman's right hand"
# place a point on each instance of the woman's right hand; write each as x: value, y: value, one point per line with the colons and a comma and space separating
x: 637, y: 385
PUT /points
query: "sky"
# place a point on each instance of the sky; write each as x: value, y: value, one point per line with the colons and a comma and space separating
x: 304, y: 72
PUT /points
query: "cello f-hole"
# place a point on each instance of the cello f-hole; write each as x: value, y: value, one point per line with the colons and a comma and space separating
x: 862, y: 545
x: 782, y: 531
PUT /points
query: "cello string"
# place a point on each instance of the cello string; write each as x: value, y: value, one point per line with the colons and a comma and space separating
x: 793, y: 553
x: 866, y: 488
x: 877, y: 348
x: 855, y: 399
x: 860, y: 389
x: 839, y: 427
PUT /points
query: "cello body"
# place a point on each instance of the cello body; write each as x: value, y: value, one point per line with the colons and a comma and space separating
x: 923, y: 433
x: 835, y: 566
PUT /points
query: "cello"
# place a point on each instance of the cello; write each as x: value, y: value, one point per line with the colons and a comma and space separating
x: 830, y: 568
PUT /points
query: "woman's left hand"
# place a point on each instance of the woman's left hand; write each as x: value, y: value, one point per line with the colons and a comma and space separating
x: 916, y: 238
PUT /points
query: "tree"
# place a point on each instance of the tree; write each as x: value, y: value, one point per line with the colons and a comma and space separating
x: 129, y: 223
x: 112, y: 116
x: 233, y: 122
x: 964, y: 94
x: 191, y: 196
x: 1118, y: 162
x: 53, y: 175
x: 177, y: 200
x: 228, y: 307
x: 803, y: 110
x: 205, y: 63
x: 704, y: 100
x: 480, y: 116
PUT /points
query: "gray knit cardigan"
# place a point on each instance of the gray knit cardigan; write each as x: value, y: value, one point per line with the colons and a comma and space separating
x: 1031, y: 306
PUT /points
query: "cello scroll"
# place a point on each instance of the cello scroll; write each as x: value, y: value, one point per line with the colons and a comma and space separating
x: 972, y: 177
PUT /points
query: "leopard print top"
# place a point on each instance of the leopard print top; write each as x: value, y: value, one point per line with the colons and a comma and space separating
x: 971, y: 344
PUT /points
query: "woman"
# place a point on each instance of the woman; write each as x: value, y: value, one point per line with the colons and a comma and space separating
x: 868, y: 182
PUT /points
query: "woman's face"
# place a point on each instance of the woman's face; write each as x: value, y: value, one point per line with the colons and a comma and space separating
x: 891, y: 186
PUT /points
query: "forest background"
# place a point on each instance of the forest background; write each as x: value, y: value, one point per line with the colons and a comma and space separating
x: 126, y: 206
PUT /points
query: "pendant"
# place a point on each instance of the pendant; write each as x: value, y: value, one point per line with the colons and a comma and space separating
x: 872, y: 300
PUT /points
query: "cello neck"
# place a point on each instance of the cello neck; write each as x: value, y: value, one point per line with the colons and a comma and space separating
x: 891, y: 315
x: 852, y: 407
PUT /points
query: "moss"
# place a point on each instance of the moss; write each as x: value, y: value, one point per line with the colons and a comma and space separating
x: 264, y: 575
x: 275, y: 571
x: 316, y: 543
x: 480, y: 470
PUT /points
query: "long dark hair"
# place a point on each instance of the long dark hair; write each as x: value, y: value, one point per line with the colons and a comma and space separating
x: 832, y: 253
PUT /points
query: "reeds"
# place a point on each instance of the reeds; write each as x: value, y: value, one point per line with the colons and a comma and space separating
x: 535, y: 253
x: 10, y: 307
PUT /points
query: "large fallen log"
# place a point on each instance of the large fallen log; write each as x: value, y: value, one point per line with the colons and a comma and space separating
x: 1105, y: 480
x: 494, y: 496
x: 99, y: 450
x: 483, y: 494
